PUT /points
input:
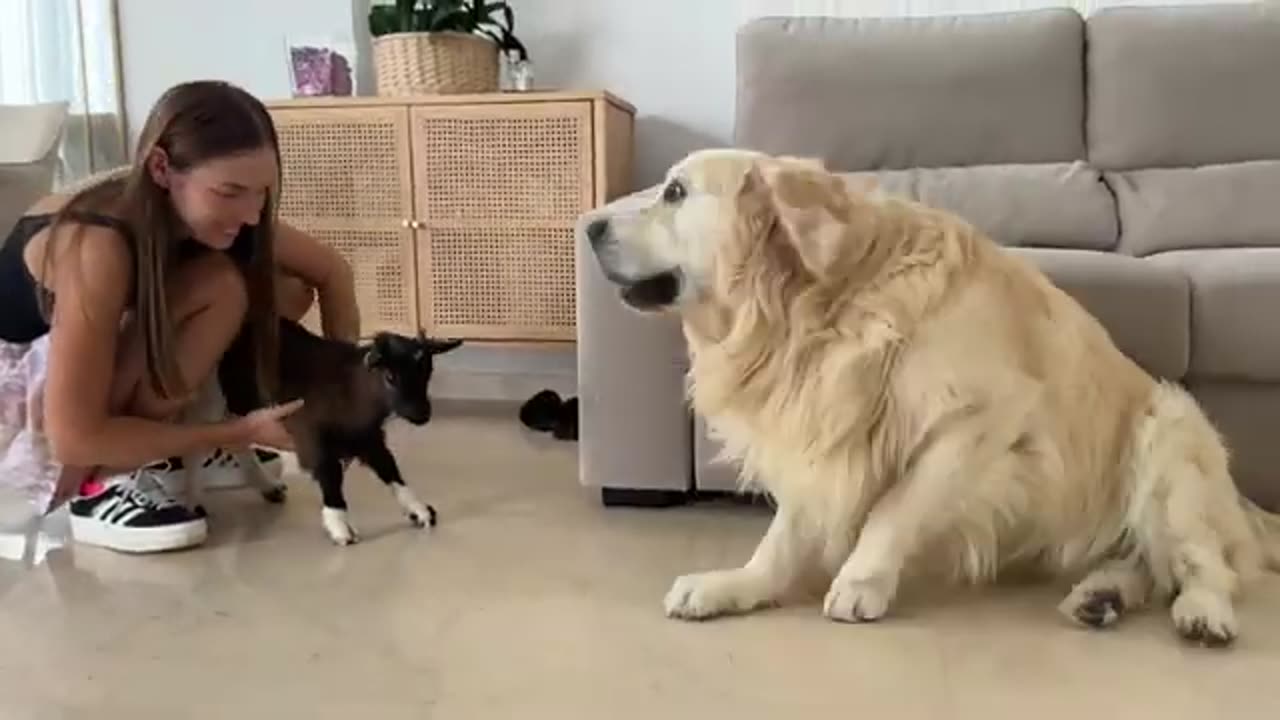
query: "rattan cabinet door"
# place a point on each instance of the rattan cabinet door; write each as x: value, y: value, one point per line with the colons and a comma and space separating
x: 498, y: 190
x: 347, y: 181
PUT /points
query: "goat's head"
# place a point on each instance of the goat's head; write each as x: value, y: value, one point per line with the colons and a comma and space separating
x: 405, y: 365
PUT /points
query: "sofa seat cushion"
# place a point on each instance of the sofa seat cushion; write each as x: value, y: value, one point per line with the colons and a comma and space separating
x: 1053, y: 205
x: 1233, y: 205
x: 1145, y: 306
x: 1234, y: 292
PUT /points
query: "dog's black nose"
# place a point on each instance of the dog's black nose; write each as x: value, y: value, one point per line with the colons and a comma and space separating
x: 597, y: 230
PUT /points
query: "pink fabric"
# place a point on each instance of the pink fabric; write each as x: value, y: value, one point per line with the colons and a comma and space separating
x: 28, y: 473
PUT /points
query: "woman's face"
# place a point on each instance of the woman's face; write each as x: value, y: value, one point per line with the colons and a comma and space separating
x: 216, y: 198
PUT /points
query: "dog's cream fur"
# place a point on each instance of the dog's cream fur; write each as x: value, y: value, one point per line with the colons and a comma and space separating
x: 913, y: 396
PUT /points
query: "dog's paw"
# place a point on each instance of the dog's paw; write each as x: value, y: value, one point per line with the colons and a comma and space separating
x: 419, y: 513
x: 340, y: 531
x: 275, y: 494
x: 1098, y: 607
x: 702, y: 596
x: 858, y: 600
x: 1204, y: 618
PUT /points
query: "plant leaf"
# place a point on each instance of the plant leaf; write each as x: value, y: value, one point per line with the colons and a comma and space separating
x: 405, y: 15
x: 507, y: 13
x: 382, y: 20
x: 505, y: 40
x: 456, y: 21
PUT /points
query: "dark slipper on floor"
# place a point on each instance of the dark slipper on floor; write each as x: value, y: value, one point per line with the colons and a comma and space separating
x: 542, y: 411
x: 566, y: 427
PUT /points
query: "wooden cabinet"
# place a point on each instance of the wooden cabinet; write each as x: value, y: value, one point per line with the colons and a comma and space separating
x: 457, y: 212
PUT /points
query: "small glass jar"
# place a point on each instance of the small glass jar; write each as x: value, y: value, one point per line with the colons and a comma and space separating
x: 521, y: 74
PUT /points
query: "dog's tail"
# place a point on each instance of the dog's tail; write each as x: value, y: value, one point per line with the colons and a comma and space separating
x: 1266, y: 526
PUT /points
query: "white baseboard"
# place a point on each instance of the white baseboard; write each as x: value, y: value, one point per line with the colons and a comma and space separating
x: 509, y: 374
x: 504, y: 386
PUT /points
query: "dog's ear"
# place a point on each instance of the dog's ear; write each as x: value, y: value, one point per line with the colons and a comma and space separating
x: 439, y: 347
x: 809, y: 206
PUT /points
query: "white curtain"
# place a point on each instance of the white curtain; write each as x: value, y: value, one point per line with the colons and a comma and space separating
x: 66, y: 50
x: 910, y: 8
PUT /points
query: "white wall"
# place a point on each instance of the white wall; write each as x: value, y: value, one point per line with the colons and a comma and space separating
x: 164, y: 42
x: 673, y: 59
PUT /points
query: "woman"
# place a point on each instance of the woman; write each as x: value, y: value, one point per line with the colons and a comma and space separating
x: 119, y: 301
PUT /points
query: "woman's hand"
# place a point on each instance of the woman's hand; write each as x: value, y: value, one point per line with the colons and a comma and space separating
x: 265, y: 426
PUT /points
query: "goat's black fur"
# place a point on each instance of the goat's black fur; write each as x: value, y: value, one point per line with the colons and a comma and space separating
x: 349, y: 392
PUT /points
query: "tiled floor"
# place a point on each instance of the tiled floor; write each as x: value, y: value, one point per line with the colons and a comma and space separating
x: 531, y: 601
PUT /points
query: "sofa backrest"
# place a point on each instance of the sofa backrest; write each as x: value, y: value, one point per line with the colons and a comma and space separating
x: 983, y: 115
x: 1183, y: 86
x: 887, y: 94
x: 1184, y: 118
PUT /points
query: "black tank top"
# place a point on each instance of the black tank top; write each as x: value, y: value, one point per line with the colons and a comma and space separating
x: 20, y: 293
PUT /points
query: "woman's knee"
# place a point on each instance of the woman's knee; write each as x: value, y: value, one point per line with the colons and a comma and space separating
x: 294, y: 296
x: 210, y: 282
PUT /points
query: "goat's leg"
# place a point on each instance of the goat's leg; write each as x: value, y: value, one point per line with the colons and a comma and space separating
x: 379, y: 459
x: 328, y: 473
x: 273, y: 491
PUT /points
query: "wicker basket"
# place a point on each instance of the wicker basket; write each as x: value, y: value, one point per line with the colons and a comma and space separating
x: 420, y: 63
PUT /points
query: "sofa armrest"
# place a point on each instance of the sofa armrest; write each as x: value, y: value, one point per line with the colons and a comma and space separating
x: 635, y: 431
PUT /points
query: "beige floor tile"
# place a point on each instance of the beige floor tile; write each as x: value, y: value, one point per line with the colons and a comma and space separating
x: 530, y: 600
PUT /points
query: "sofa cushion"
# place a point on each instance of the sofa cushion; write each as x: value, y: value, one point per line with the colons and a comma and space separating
x: 1247, y: 415
x: 1209, y: 206
x: 1144, y: 306
x: 1183, y: 86
x: 1233, y: 293
x: 1054, y: 205
x: 872, y: 93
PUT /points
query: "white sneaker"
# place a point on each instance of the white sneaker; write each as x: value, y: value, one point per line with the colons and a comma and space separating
x: 220, y: 468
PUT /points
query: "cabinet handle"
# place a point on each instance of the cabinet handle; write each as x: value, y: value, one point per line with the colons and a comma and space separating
x: 406, y: 223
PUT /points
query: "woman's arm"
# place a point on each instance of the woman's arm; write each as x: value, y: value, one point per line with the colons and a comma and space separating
x: 324, y: 269
x: 90, y: 283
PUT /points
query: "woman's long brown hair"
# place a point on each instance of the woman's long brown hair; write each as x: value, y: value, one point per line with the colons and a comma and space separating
x: 192, y: 123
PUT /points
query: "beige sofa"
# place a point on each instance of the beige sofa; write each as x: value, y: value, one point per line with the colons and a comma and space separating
x: 1134, y: 155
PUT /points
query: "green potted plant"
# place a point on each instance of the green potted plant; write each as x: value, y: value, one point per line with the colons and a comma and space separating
x: 441, y: 46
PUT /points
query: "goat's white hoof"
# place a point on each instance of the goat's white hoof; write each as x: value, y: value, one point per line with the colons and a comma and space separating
x: 420, y: 514
x: 340, y: 531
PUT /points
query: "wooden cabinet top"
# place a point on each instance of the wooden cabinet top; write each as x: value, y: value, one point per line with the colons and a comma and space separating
x: 503, y: 98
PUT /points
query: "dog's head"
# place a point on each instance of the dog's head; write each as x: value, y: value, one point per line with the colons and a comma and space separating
x: 727, y: 223
x: 405, y: 366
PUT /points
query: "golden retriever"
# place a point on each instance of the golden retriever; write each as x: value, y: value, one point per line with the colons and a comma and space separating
x: 911, y: 394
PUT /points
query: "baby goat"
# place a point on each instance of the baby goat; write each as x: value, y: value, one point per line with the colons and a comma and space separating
x: 349, y: 392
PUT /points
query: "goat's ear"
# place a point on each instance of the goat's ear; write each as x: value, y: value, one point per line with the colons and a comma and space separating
x: 439, y: 347
x: 376, y: 354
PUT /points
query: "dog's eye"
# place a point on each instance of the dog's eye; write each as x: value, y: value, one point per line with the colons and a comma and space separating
x: 674, y: 192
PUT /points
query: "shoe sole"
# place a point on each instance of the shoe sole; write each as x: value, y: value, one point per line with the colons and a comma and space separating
x: 91, y: 531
